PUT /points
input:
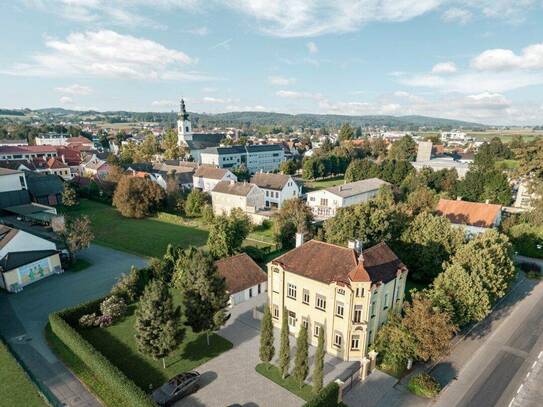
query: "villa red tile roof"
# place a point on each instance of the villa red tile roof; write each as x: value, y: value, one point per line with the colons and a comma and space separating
x: 240, y: 272
x: 469, y: 213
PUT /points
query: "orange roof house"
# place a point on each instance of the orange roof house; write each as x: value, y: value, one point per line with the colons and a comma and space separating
x: 475, y: 215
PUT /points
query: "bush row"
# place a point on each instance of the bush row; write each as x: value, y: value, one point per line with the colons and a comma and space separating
x: 110, y: 375
x: 327, y: 397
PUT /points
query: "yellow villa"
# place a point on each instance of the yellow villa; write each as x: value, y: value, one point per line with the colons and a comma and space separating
x: 346, y: 291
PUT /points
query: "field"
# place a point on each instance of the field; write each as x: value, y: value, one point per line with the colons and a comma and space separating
x: 507, y: 135
x: 147, y: 237
x: 16, y: 389
x: 118, y: 344
x: 323, y: 183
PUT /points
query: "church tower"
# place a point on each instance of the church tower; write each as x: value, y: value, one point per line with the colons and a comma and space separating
x: 184, y: 128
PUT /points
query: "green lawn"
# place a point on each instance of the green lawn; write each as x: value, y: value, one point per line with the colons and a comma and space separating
x: 323, y: 183
x: 526, y: 238
x: 16, y: 389
x: 148, y: 237
x: 118, y: 344
x: 274, y: 374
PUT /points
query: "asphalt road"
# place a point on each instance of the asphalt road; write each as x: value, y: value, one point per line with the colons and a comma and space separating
x: 506, y: 364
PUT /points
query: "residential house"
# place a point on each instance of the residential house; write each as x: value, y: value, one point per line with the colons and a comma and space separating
x: 94, y: 166
x: 277, y: 188
x: 27, y: 152
x: 257, y: 157
x: 426, y: 159
x: 7, y: 142
x: 473, y: 217
x: 525, y: 197
x: 347, y: 292
x: 51, y: 138
x: 324, y: 203
x: 25, y: 259
x: 53, y: 166
x: 45, y: 189
x: 227, y: 195
x: 205, y: 178
x: 244, y: 278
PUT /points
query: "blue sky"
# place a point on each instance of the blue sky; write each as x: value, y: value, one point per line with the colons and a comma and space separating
x: 478, y: 60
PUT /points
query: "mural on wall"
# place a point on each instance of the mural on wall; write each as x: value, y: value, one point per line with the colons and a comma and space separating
x: 34, y: 271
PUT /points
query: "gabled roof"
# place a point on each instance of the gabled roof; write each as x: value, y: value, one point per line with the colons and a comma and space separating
x: 7, y: 171
x: 210, y: 172
x: 327, y: 262
x: 27, y: 149
x: 43, y: 184
x: 234, y: 188
x: 55, y: 163
x: 240, y: 272
x: 357, y: 187
x: 6, y: 234
x: 270, y: 181
x: 468, y: 213
x: 13, y: 260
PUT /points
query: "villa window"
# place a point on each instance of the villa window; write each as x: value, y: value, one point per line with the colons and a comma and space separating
x: 305, y: 323
x: 291, y: 291
x: 275, y: 311
x: 355, y: 342
x: 341, y: 291
x: 292, y: 319
x: 359, y: 292
x: 305, y: 298
x: 320, y: 302
x: 339, y: 309
x: 324, y: 202
x: 357, y: 318
x: 338, y: 339
x: 317, y: 330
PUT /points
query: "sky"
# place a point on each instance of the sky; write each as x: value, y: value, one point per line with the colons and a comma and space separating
x: 475, y: 60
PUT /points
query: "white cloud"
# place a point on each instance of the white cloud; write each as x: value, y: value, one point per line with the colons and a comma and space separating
x: 505, y: 59
x: 64, y: 100
x: 75, y: 89
x: 209, y: 99
x: 444, y: 67
x: 280, y: 80
x: 312, y: 47
x: 290, y: 94
x: 107, y: 53
x: 457, y: 15
x: 201, y: 31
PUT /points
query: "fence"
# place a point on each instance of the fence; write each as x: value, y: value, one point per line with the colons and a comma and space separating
x: 41, y: 387
x: 351, y: 379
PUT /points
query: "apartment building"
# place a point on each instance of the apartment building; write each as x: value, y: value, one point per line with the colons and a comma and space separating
x: 258, y: 157
x: 228, y: 195
x: 346, y: 291
x: 324, y: 203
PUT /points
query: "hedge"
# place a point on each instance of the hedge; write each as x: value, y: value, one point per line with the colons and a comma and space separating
x: 327, y: 397
x: 119, y: 384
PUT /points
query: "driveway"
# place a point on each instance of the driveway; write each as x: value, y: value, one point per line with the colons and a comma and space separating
x: 231, y: 377
x: 23, y: 317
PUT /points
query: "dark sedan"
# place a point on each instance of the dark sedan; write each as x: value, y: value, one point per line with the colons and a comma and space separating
x: 178, y: 387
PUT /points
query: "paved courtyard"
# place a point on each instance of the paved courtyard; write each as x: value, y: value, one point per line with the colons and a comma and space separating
x: 231, y: 377
x: 23, y: 317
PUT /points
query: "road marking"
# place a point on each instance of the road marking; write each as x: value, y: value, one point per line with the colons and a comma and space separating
x: 520, y: 388
x: 540, y: 354
x: 528, y: 374
x: 511, y: 402
x: 533, y: 364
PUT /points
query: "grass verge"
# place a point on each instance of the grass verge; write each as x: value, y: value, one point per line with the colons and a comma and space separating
x: 79, y: 265
x: 424, y: 385
x: 16, y: 388
x: 274, y: 374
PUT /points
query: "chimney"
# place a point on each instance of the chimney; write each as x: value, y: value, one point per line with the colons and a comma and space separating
x: 487, y: 201
x: 299, y: 239
x: 458, y: 198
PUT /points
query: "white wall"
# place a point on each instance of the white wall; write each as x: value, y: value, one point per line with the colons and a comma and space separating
x: 250, y: 292
x: 24, y: 241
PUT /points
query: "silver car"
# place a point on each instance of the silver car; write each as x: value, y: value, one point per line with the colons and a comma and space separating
x: 178, y: 387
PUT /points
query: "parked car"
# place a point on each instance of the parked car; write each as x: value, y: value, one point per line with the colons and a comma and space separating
x: 178, y: 387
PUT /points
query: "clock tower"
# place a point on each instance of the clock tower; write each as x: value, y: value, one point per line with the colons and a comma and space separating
x: 184, y: 128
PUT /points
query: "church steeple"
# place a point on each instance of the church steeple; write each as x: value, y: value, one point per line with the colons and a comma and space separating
x: 183, y: 111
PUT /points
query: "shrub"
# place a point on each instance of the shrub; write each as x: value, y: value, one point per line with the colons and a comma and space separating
x: 424, y: 385
x: 109, y: 375
x: 104, y: 321
x: 207, y: 214
x: 113, y: 307
x: 88, y: 320
x: 327, y: 397
x: 130, y: 286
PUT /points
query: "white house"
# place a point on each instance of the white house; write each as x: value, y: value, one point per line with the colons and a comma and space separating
x: 228, y: 195
x: 473, y: 217
x: 257, y: 157
x: 325, y: 202
x: 51, y: 139
x: 244, y: 278
x: 12, y: 180
x: 525, y: 197
x: 277, y: 188
x: 205, y: 178
x: 25, y: 258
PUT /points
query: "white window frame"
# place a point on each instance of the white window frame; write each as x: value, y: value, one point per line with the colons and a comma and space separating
x: 292, y: 319
x: 291, y: 291
x: 357, y: 313
x: 305, y: 295
x: 340, y: 309
x: 320, y: 299
x: 275, y: 311
x: 338, y: 339
x: 355, y: 342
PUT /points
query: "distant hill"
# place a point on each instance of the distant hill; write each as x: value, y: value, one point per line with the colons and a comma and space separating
x: 250, y: 119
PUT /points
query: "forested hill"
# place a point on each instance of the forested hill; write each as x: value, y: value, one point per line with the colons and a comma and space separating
x: 252, y: 119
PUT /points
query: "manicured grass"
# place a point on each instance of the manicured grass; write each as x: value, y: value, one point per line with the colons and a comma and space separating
x: 16, y: 388
x: 507, y: 164
x: 323, y: 183
x: 274, y: 374
x: 79, y: 265
x: 91, y: 381
x: 118, y: 344
x: 148, y: 237
x: 526, y: 238
x: 394, y: 370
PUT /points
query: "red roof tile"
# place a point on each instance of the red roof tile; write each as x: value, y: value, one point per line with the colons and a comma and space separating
x: 240, y: 272
x: 469, y: 213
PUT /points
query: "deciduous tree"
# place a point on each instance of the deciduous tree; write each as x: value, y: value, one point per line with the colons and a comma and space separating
x: 69, y: 196
x: 137, y: 197
x: 403, y: 149
x: 195, y: 202
x: 227, y: 233
x: 294, y: 216
x: 77, y: 234
x: 394, y: 343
